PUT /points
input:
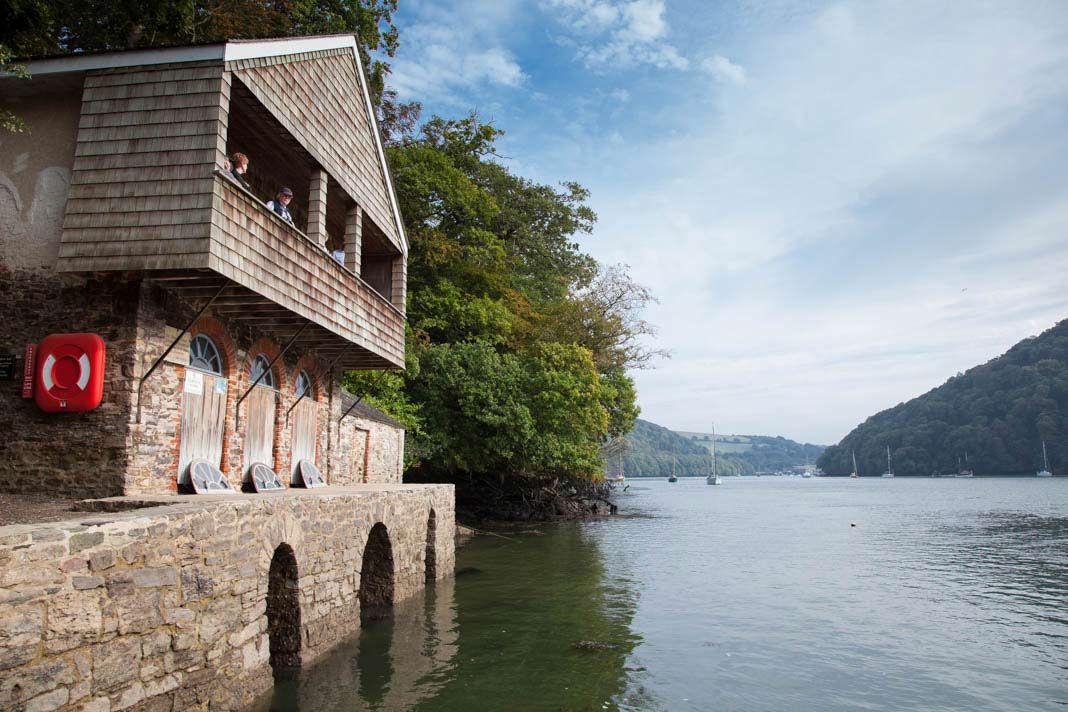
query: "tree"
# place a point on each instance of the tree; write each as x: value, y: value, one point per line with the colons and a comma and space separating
x: 35, y: 27
x: 8, y: 120
x: 992, y: 418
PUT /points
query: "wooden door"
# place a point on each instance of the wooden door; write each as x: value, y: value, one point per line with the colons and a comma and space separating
x: 305, y: 426
x: 203, y: 420
x: 259, y: 426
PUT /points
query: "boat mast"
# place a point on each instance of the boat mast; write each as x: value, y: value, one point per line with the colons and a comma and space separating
x: 672, y: 459
x: 889, y: 465
x: 714, y: 471
x: 1045, y: 462
x: 855, y: 463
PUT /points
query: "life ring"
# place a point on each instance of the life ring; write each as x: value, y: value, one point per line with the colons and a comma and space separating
x: 70, y: 377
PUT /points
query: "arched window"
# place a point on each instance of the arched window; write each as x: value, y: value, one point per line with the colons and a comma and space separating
x: 260, y: 365
x: 303, y: 386
x: 204, y: 355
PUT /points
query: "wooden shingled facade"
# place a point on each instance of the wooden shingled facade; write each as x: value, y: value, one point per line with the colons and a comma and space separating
x: 147, y: 197
x: 257, y: 249
x: 312, y: 96
x: 141, y: 183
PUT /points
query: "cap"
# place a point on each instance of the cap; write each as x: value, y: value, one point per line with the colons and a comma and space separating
x: 286, y: 191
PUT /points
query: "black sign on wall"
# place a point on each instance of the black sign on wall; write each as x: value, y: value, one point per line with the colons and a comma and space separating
x: 8, y: 367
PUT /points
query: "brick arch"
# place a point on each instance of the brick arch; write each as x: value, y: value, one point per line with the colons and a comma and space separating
x: 309, y: 363
x: 268, y: 348
x: 214, y: 329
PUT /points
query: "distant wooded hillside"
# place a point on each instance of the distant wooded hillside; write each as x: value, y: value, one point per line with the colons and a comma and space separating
x: 650, y: 452
x: 759, y: 453
x: 998, y: 413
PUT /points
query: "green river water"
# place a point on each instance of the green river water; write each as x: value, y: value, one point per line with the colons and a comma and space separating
x: 756, y: 595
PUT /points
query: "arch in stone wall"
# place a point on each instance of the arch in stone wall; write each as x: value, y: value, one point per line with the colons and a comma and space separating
x: 376, y: 575
x: 431, y: 547
x: 283, y: 609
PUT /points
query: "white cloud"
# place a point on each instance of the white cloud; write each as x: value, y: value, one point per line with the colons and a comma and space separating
x: 724, y: 70
x: 809, y: 238
x: 617, y: 33
x: 451, y: 53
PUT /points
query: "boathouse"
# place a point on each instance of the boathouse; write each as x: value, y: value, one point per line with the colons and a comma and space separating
x: 164, y: 332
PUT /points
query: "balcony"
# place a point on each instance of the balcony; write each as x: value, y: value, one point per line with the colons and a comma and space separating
x: 147, y: 197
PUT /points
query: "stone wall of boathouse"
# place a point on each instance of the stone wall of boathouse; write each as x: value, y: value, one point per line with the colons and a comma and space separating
x: 173, y: 607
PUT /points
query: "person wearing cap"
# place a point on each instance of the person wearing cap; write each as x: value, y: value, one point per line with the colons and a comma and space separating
x: 280, y: 204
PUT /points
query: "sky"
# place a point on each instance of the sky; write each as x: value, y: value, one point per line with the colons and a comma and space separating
x: 838, y: 205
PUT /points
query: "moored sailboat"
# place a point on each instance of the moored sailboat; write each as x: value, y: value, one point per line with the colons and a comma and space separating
x: 889, y: 464
x: 673, y: 478
x: 1045, y: 471
x: 966, y: 471
x: 713, y: 477
x: 856, y: 473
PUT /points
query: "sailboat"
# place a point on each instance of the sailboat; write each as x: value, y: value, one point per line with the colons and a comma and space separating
x: 713, y: 478
x: 965, y: 472
x: 673, y: 478
x: 889, y: 465
x: 1044, y: 472
x: 856, y: 473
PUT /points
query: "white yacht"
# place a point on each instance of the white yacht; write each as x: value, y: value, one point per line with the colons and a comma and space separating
x: 889, y: 464
x: 713, y: 477
x: 1044, y: 472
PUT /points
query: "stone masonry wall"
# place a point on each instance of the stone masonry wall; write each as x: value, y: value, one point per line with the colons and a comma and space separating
x: 76, y: 454
x: 166, y: 608
x: 155, y: 441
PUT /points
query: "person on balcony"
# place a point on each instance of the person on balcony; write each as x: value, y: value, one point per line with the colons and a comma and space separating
x: 280, y: 204
x: 239, y: 161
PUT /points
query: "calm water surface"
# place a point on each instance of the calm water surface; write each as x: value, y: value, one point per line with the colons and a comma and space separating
x: 757, y: 595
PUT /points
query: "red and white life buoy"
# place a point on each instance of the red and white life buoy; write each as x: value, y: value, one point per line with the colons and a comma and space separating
x: 70, y: 376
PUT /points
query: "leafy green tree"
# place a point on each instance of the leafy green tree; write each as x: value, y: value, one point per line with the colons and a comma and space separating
x: 39, y: 27
x: 8, y: 120
x: 534, y: 412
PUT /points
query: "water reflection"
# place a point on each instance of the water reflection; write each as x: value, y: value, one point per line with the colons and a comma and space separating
x: 391, y: 664
x: 520, y: 616
x: 499, y: 636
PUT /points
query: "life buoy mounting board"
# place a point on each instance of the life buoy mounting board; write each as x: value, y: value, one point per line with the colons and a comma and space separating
x: 70, y: 373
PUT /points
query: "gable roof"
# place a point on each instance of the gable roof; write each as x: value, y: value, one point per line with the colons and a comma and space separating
x: 240, y: 51
x: 366, y: 411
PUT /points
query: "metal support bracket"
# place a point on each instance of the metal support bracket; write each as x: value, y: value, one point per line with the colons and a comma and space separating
x: 357, y: 402
x: 292, y: 340
x: 170, y: 348
x: 329, y: 369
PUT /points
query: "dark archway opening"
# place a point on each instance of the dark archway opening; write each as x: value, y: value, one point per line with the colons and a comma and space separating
x: 431, y: 547
x: 283, y: 610
x: 376, y: 575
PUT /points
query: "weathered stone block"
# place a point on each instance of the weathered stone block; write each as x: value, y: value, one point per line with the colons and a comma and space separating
x: 130, y: 696
x: 97, y: 704
x: 21, y: 630
x: 83, y: 583
x: 74, y: 618
x: 74, y: 564
x: 197, y: 583
x: 116, y: 662
x: 152, y: 578
x: 100, y: 560
x: 85, y: 540
x: 33, y: 680
x: 138, y: 611
x: 49, y: 701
